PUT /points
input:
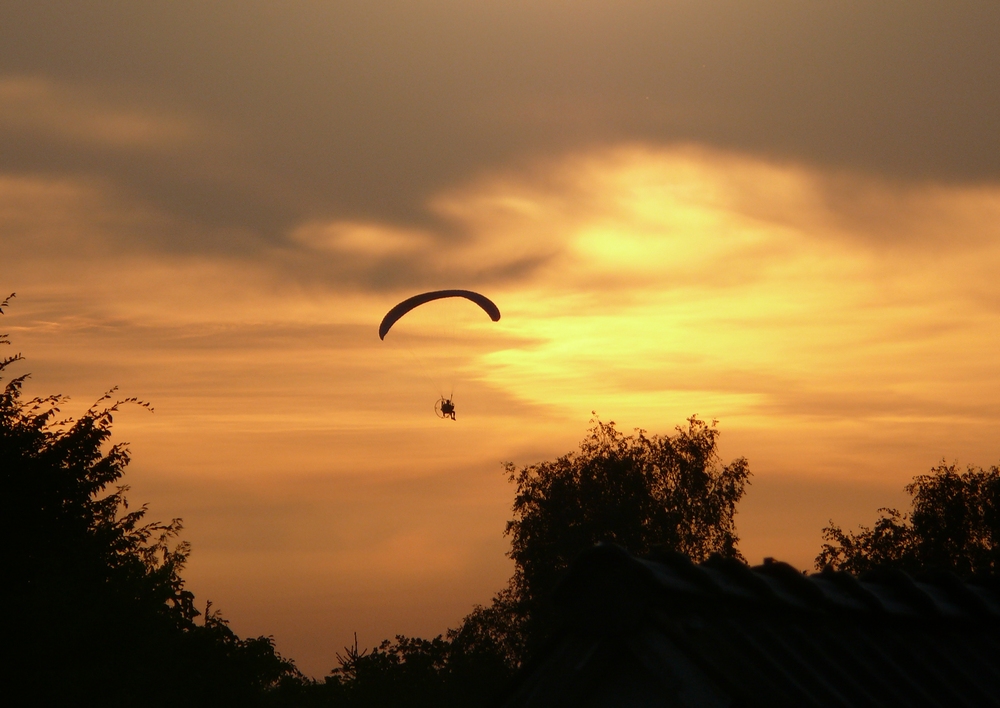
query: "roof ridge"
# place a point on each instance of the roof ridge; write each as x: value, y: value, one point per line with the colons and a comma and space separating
x: 774, y: 583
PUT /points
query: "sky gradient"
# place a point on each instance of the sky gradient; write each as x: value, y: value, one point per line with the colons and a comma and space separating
x: 783, y: 216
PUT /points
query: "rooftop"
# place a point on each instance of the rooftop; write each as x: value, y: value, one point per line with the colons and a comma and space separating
x: 667, y: 632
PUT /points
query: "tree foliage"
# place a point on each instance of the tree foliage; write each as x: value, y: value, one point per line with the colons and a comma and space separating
x: 450, y: 671
x: 97, y: 609
x: 645, y: 493
x: 407, y: 672
x: 954, y: 524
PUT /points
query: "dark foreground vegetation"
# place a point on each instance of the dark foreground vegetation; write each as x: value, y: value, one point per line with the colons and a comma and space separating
x: 95, y: 609
x: 98, y: 614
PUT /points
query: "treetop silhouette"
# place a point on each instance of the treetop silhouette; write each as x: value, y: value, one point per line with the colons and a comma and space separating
x: 954, y: 525
x: 96, y: 605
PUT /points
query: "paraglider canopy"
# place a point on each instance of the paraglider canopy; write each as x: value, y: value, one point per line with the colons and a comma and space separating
x: 417, y: 300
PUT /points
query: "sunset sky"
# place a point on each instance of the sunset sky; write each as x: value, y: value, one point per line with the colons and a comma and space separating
x: 780, y: 214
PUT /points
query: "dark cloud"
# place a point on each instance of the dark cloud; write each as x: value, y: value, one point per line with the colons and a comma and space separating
x: 363, y: 109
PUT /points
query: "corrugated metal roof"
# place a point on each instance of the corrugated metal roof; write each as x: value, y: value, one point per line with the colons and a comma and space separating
x: 638, y: 632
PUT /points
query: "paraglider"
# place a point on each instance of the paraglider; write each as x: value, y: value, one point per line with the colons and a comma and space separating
x: 417, y: 300
x: 444, y: 407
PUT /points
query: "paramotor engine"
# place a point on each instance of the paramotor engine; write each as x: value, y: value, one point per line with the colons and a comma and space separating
x: 445, y: 408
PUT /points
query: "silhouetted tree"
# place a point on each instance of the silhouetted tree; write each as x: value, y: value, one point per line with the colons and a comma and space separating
x: 488, y: 646
x: 461, y: 669
x: 405, y: 672
x: 96, y: 612
x: 954, y: 524
x: 647, y: 494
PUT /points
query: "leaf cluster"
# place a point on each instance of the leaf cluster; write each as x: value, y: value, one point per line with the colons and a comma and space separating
x: 456, y: 670
x: 645, y: 493
x: 953, y: 524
